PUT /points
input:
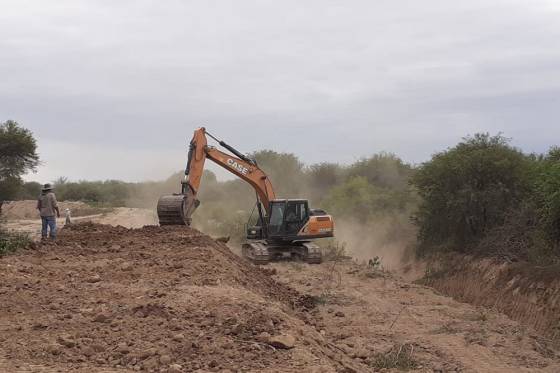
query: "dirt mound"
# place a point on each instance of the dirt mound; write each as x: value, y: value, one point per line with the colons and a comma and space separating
x: 153, y: 299
x: 15, y: 210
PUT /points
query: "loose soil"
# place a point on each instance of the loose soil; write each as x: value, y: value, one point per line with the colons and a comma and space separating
x: 109, y: 298
x: 170, y: 299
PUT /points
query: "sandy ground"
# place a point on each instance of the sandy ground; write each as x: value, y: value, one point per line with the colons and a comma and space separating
x: 173, y: 300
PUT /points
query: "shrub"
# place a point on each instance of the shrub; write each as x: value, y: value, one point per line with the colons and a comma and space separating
x: 10, y: 242
x: 398, y: 357
x: 467, y: 190
x: 360, y: 199
x: 547, y: 194
x: 384, y: 170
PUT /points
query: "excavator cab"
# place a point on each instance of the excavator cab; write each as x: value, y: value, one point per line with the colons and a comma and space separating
x: 287, y: 217
x: 291, y: 220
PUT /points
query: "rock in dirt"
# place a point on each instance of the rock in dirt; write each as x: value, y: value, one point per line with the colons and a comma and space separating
x: 88, y: 351
x: 150, y: 364
x: 126, y: 266
x: 360, y: 353
x: 98, y: 347
x: 39, y: 325
x: 165, y: 359
x: 103, y: 317
x: 263, y: 337
x: 100, y: 360
x: 53, y: 349
x: 213, y: 364
x: 93, y: 279
x: 339, y: 314
x: 123, y: 348
x: 147, y: 353
x: 283, y: 341
x: 180, y: 337
x: 175, y: 368
x: 66, y: 340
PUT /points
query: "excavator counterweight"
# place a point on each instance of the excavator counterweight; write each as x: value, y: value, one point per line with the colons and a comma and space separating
x: 286, y: 227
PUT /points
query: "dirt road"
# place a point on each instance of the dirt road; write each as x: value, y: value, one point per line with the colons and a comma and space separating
x: 107, y: 299
x: 368, y: 312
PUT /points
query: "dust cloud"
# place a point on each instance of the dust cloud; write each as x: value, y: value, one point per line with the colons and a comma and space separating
x: 391, y: 238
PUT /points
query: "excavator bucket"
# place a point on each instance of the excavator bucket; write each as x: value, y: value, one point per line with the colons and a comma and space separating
x: 176, y: 209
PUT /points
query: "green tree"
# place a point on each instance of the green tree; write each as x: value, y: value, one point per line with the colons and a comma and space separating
x: 285, y: 171
x: 358, y: 198
x: 468, y: 189
x: 30, y: 190
x: 384, y: 170
x: 547, y: 194
x: 320, y: 178
x: 18, y: 155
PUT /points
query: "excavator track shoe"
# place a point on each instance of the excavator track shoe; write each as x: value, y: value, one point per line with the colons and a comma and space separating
x: 256, y: 252
x: 314, y: 254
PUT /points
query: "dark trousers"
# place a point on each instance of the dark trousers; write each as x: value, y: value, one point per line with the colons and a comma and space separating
x: 49, y: 222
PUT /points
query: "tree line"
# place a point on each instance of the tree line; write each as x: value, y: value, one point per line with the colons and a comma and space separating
x: 482, y: 196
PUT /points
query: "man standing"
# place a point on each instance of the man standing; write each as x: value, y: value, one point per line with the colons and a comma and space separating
x: 47, y: 206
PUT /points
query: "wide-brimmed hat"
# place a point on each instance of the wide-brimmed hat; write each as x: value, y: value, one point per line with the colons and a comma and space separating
x: 47, y: 187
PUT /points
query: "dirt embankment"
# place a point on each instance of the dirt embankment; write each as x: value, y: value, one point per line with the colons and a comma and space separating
x: 527, y: 293
x: 154, y: 299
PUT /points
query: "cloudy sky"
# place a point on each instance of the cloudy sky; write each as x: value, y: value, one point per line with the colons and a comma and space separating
x: 114, y: 89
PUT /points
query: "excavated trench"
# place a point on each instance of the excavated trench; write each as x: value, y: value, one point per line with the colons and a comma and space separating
x: 526, y: 293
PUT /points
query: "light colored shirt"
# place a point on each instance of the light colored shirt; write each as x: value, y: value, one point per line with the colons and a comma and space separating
x: 47, y: 204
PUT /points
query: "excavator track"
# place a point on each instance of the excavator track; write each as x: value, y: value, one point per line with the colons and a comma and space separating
x: 313, y: 254
x: 256, y: 252
x: 260, y: 252
x: 170, y: 210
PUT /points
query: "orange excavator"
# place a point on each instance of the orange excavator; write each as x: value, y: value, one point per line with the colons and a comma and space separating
x: 285, y: 228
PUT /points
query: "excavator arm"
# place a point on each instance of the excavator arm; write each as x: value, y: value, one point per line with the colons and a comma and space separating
x: 177, y: 209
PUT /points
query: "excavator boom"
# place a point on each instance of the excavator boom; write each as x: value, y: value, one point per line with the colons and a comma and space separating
x: 177, y: 209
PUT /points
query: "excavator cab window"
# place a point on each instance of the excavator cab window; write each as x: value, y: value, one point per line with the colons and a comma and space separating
x: 287, y: 217
x: 296, y: 215
x: 276, y: 217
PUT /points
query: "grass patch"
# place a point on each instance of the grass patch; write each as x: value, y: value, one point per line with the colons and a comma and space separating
x: 10, y: 242
x: 447, y: 328
x: 320, y: 300
x: 399, y: 357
